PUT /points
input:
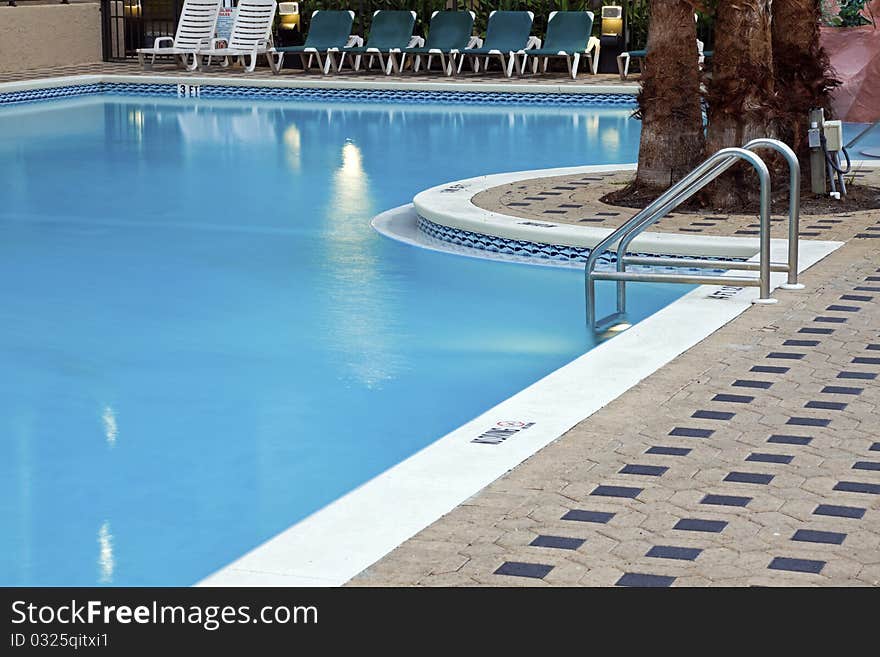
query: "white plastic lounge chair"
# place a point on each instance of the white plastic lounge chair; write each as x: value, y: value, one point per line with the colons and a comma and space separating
x: 198, y: 20
x: 251, y: 35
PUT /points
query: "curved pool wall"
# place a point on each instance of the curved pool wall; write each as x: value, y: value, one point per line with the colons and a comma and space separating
x: 204, y: 341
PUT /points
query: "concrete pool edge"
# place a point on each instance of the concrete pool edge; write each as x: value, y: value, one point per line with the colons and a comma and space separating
x: 450, y: 206
x: 340, y: 540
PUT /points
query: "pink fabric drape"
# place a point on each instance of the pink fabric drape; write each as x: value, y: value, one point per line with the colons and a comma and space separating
x: 855, y: 56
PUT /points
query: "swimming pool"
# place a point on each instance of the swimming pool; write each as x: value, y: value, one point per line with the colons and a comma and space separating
x: 203, y: 340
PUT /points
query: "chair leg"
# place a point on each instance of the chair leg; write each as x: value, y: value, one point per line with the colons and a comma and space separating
x: 574, y: 65
x: 195, y: 63
x: 249, y: 68
x: 417, y: 63
x: 428, y: 63
x: 623, y: 65
x: 546, y: 63
x: 276, y: 61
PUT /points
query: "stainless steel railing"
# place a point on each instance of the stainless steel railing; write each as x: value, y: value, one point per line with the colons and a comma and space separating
x: 701, y: 176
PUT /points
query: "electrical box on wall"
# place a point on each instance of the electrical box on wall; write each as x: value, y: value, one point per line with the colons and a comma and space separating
x: 833, y: 135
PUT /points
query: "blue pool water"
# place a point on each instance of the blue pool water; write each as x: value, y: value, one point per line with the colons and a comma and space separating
x: 203, y: 340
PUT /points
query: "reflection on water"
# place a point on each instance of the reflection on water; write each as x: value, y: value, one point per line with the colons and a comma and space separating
x: 108, y: 419
x: 106, y: 562
x: 293, y: 143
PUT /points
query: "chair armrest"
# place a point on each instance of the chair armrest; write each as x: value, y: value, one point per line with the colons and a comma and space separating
x: 354, y: 41
x: 162, y: 39
x: 416, y: 42
x: 475, y: 42
x: 533, y: 43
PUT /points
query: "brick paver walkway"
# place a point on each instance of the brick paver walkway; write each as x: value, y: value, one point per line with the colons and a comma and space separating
x: 751, y: 459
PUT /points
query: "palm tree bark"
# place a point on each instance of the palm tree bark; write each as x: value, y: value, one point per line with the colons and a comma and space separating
x: 669, y: 100
x: 802, y: 68
x: 742, y: 102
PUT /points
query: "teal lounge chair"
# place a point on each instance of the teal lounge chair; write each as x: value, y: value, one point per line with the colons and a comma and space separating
x: 391, y: 32
x: 624, y: 59
x: 568, y: 36
x: 329, y: 29
x: 448, y: 34
x: 506, y: 34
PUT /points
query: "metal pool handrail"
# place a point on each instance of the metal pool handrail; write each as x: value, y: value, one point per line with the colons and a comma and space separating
x: 701, y: 176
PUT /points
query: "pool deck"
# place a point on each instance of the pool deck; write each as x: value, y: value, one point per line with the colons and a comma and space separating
x: 491, y: 81
x: 751, y: 459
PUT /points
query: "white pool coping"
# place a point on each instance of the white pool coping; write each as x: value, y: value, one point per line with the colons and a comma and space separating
x: 339, y: 541
x: 336, y: 82
x: 451, y: 205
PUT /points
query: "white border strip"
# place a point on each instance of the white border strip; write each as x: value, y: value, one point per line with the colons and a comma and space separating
x: 337, y: 542
x: 340, y: 82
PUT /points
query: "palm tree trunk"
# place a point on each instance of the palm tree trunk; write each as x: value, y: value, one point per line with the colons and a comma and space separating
x: 802, y: 70
x: 741, y: 95
x: 669, y: 101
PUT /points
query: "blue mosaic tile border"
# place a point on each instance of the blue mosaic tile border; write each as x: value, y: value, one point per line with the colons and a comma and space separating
x: 337, y: 95
x: 524, y: 248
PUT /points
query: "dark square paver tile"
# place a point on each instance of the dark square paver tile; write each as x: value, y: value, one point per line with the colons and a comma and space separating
x: 862, y: 376
x: 663, y: 450
x: 750, y: 383
x: 648, y: 470
x: 797, y: 565
x: 769, y: 369
x: 558, y: 542
x: 874, y: 466
x: 759, y: 457
x: 581, y: 515
x: 690, y: 432
x: 673, y: 552
x: 817, y: 331
x: 814, y: 536
x: 857, y: 487
x: 866, y: 360
x: 712, y: 415
x: 785, y: 355
x: 842, y: 390
x: 826, y: 405
x: 749, y: 478
x: 642, y: 579
x: 699, y: 525
x: 800, y: 343
x: 809, y: 421
x: 843, y: 309
x: 830, y: 320
x: 616, y: 491
x: 855, y: 512
x: 733, y: 399
x: 783, y: 439
x: 520, y: 569
x: 726, y: 500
